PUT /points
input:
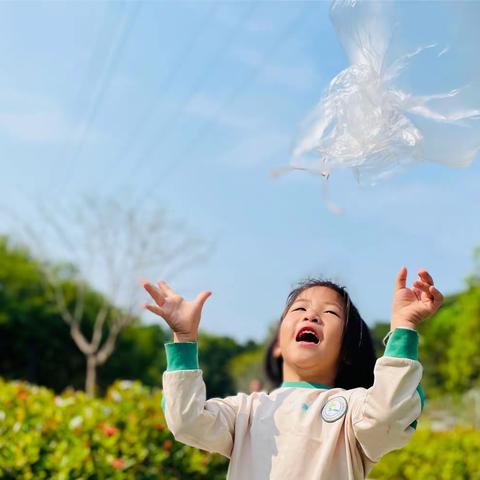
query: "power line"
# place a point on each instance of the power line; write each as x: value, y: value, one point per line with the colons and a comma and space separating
x: 202, y: 132
x: 164, y: 87
x: 111, y: 65
x: 102, y: 35
x: 200, y: 81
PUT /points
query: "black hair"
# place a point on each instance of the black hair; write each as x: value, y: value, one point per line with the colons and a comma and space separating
x: 357, y: 354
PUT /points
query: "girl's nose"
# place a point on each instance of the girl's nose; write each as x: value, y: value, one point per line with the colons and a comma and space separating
x: 311, y: 316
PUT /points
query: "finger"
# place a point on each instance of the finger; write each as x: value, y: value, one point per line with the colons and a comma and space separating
x: 165, y: 288
x: 154, y: 309
x: 201, y: 298
x: 425, y: 276
x: 427, y: 297
x: 418, y: 293
x: 401, y: 281
x: 424, y: 288
x: 154, y: 293
x: 437, y: 297
x: 422, y: 285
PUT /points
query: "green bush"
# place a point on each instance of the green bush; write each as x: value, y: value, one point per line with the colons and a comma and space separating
x: 71, y: 436
x: 123, y: 436
x: 450, y: 455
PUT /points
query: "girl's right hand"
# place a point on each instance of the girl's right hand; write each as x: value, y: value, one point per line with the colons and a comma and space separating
x: 182, y: 316
x: 412, y: 305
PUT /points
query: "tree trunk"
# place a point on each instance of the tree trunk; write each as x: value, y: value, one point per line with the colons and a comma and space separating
x: 91, y: 378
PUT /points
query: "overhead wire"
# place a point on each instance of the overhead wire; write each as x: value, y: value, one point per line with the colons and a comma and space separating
x: 123, y: 33
x: 202, y: 78
x: 96, y: 52
x: 241, y: 88
x: 164, y: 88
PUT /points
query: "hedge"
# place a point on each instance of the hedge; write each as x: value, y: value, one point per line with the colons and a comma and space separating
x: 71, y: 436
x: 449, y: 455
x: 123, y: 436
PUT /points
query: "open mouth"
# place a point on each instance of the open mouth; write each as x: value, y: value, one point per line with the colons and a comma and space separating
x: 307, y: 336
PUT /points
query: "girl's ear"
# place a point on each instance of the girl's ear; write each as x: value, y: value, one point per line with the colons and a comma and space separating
x: 276, y: 352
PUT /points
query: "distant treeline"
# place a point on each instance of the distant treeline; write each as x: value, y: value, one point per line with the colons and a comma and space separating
x: 35, y: 344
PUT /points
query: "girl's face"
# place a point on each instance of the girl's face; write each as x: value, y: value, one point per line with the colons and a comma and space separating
x: 305, y: 358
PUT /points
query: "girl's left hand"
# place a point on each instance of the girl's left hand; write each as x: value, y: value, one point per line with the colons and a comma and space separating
x: 413, y: 305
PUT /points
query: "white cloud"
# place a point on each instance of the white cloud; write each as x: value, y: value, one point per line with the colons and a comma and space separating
x: 300, y: 76
x: 257, y: 149
x: 253, y: 25
x: 41, y: 127
x: 439, y: 213
x: 209, y: 108
x: 31, y: 117
x: 259, y: 138
x: 15, y: 98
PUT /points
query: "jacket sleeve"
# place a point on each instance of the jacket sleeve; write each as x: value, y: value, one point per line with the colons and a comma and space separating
x: 385, y: 415
x: 193, y: 420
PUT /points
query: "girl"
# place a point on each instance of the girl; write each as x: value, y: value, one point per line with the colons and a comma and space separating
x: 330, y: 417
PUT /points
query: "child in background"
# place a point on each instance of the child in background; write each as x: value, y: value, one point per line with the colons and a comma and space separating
x: 335, y: 411
x: 255, y: 385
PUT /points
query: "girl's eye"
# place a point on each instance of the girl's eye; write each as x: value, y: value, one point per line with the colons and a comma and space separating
x: 328, y: 311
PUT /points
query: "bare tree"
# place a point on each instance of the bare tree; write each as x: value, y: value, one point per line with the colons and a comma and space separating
x: 110, y: 245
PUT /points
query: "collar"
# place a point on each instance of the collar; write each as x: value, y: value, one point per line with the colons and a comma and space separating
x: 305, y: 385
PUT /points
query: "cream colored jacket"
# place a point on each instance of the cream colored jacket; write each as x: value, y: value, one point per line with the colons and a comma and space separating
x: 300, y: 430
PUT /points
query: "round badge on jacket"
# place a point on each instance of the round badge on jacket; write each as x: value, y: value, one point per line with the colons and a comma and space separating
x: 334, y: 409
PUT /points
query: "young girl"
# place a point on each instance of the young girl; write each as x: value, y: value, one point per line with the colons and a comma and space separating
x: 335, y: 411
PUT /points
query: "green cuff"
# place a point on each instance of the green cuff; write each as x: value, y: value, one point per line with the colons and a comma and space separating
x: 182, y: 356
x: 421, y: 392
x: 402, y: 343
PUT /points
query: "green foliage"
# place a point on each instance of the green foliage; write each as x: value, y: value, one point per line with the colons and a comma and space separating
x: 215, y: 353
x: 451, y: 455
x: 124, y: 437
x: 33, y: 338
x: 449, y: 345
x: 35, y: 343
x: 72, y: 436
x: 378, y: 332
x: 473, y: 280
x: 139, y: 355
x: 247, y: 366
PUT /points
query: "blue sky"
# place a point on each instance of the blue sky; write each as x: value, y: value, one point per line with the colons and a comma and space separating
x: 190, y: 105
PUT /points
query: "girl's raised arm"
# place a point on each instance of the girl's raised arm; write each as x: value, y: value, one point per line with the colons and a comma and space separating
x: 192, y: 419
x: 385, y: 416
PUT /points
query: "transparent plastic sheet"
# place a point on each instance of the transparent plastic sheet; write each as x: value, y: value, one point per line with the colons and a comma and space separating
x: 367, y: 122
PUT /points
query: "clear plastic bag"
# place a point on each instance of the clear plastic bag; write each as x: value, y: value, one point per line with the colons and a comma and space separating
x: 367, y: 122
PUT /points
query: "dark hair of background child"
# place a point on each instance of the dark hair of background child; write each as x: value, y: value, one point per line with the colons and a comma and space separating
x: 357, y: 354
